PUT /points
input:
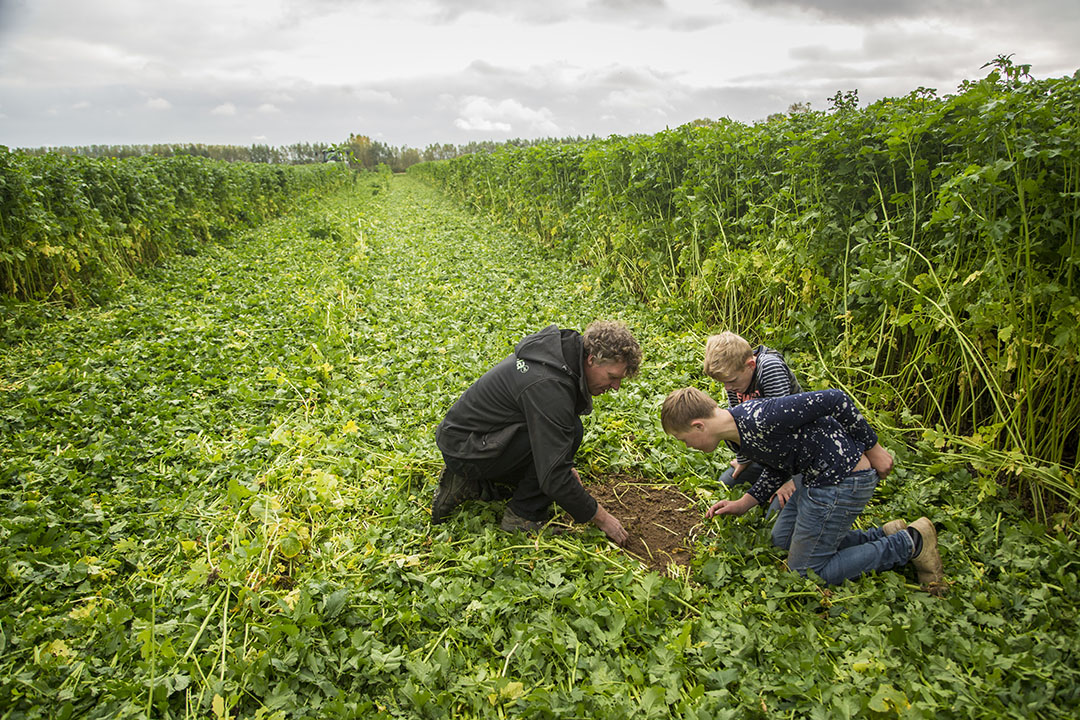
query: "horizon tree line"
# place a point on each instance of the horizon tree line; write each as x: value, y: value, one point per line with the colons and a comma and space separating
x: 359, y: 151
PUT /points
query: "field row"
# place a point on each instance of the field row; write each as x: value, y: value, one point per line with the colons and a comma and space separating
x: 216, y: 494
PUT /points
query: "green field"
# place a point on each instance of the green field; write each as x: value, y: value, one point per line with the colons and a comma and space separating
x: 215, y: 495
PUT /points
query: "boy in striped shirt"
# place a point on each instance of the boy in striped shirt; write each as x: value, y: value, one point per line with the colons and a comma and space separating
x: 748, y: 374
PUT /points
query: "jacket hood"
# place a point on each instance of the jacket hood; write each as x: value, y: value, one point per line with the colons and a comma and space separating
x: 547, y: 346
x: 561, y: 350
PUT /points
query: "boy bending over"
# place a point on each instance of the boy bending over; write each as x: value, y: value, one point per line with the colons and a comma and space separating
x: 823, y: 436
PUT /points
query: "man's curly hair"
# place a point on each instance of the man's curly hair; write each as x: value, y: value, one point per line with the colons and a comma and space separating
x: 611, y: 342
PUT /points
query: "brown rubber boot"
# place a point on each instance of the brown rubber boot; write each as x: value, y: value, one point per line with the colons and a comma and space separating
x: 894, y: 526
x: 928, y: 561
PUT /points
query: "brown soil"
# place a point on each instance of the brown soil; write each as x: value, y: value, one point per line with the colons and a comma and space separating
x: 661, y: 521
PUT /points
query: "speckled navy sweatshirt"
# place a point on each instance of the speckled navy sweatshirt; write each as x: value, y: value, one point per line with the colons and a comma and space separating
x: 819, y: 434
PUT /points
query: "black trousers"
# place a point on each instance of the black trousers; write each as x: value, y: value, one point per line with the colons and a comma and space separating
x: 512, y: 475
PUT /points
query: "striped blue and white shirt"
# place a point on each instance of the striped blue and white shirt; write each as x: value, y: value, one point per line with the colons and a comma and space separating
x: 772, y: 378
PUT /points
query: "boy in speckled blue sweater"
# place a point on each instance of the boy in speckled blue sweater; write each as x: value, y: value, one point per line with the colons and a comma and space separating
x: 823, y: 436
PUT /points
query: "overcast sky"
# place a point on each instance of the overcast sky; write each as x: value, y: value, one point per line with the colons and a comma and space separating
x: 416, y: 72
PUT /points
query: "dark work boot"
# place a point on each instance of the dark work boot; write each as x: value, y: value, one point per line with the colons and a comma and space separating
x: 512, y: 522
x: 453, y: 490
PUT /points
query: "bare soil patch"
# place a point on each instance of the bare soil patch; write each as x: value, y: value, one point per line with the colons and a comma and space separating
x: 661, y: 520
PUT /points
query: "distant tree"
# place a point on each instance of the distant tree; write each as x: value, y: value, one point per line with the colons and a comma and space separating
x: 381, y: 153
x: 305, y: 153
x: 260, y: 153
x: 358, y: 152
x: 407, y: 157
x: 434, y: 152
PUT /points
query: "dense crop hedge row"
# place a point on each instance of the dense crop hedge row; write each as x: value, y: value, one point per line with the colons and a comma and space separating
x: 921, y: 252
x: 73, y: 226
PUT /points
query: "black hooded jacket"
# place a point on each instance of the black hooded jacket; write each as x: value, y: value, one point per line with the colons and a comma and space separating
x: 540, y: 386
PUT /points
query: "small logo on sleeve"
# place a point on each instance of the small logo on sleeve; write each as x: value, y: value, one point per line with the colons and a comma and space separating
x: 522, y: 367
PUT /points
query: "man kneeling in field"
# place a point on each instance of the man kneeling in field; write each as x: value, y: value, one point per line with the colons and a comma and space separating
x: 515, y: 431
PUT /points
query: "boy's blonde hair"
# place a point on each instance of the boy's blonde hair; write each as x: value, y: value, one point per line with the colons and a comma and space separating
x: 725, y: 355
x: 682, y: 407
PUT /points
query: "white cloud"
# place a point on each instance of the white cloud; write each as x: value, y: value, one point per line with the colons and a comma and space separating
x: 267, y: 109
x: 279, y: 98
x: 225, y: 110
x: 371, y: 95
x: 482, y: 125
x: 651, y: 101
x: 504, y: 116
x: 158, y: 104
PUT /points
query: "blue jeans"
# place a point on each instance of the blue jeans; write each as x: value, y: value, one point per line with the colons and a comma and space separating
x: 815, y: 528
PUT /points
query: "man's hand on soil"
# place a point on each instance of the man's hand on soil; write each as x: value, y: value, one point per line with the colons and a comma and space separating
x: 610, y: 525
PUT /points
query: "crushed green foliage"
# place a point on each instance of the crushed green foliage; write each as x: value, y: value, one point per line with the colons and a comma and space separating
x: 215, y: 504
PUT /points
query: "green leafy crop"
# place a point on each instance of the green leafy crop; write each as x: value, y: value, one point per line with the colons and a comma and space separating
x: 215, y: 495
x: 72, y: 228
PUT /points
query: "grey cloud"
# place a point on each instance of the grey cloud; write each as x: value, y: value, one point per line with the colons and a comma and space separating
x: 10, y: 15
x: 633, y: 13
x: 945, y: 36
x: 153, y: 42
x: 628, y: 5
x: 235, y: 115
x: 871, y: 10
x: 1045, y: 28
x: 141, y: 94
x: 551, y: 11
x: 485, y: 69
x: 694, y: 23
x: 822, y: 73
x: 621, y: 77
x: 651, y: 14
x: 612, y: 100
x: 906, y: 53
